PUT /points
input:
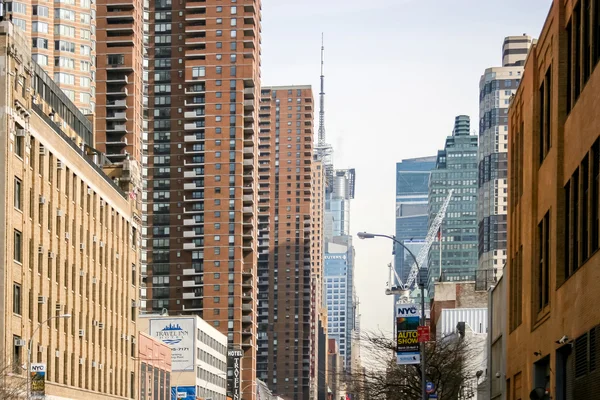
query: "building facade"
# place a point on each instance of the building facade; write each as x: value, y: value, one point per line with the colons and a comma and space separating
x: 286, y: 310
x: 201, y: 167
x: 412, y: 190
x: 63, y: 42
x: 70, y: 251
x: 199, y: 356
x: 119, y: 110
x: 154, y: 360
x: 553, y: 215
x: 496, y: 87
x: 456, y: 168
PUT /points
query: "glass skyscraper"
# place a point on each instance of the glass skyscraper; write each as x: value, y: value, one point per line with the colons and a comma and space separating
x: 412, y: 190
x: 456, y: 168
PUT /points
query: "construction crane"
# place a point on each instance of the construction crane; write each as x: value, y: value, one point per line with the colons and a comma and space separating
x: 403, y: 289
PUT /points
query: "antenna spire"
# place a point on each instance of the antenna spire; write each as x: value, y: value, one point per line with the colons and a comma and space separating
x: 324, y: 150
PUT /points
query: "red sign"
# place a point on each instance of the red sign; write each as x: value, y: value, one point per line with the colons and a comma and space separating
x: 423, y: 334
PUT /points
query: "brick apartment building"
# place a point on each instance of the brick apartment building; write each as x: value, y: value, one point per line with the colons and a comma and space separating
x: 553, y: 217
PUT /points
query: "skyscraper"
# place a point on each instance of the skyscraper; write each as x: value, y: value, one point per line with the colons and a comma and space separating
x: 456, y: 168
x: 496, y: 87
x: 63, y: 41
x: 200, y: 170
x: 286, y: 310
x: 412, y: 189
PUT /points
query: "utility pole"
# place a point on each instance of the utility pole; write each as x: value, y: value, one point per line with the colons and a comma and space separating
x: 423, y: 322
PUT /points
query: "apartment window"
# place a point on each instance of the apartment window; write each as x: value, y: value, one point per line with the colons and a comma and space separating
x: 595, y: 193
x: 18, y: 195
x: 18, y: 246
x: 64, y: 62
x: 64, y: 14
x: 516, y: 288
x: 545, y: 105
x: 116, y: 59
x: 41, y: 27
x: 40, y: 11
x: 198, y: 72
x: 219, y: 9
x: 17, y: 301
x: 62, y: 45
x: 543, y: 270
x: 61, y: 77
x: 39, y: 43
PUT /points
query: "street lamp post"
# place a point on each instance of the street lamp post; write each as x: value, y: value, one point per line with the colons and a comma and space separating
x: 365, y: 235
x: 29, y: 349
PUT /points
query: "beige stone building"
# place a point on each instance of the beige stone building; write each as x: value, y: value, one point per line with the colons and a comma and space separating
x: 69, y: 244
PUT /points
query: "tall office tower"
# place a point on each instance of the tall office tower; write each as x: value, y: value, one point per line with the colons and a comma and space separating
x: 318, y: 307
x: 63, y: 38
x: 285, y: 229
x: 456, y: 168
x: 496, y: 87
x: 119, y: 79
x: 201, y: 205
x: 412, y: 189
x: 69, y: 250
x: 337, y: 204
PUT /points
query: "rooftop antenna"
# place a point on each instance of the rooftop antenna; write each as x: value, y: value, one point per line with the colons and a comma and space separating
x: 323, y: 149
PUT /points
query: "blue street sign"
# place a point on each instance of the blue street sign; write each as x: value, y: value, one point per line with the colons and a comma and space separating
x: 429, y: 387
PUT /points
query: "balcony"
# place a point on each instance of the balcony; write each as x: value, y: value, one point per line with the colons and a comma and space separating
x: 194, y: 138
x: 117, y: 116
x: 195, y: 4
x: 192, y: 222
x: 248, y: 199
x: 249, y: 105
x: 193, y: 114
x: 117, y: 80
x: 249, y: 93
x: 248, y: 152
x: 116, y: 141
x: 116, y: 104
x: 246, y: 307
x: 117, y: 92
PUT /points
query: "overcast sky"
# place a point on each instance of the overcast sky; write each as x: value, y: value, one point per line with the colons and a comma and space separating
x: 397, y: 73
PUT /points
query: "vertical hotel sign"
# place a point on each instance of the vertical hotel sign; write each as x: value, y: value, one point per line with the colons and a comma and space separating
x: 407, y: 342
x: 235, y: 362
x: 38, y: 380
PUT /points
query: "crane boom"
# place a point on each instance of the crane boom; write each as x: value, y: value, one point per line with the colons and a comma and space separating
x: 431, y: 234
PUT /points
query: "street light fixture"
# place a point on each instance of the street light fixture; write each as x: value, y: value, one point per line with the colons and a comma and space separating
x: 65, y: 316
x: 366, y: 235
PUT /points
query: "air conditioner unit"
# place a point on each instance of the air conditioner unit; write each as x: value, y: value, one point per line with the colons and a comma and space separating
x: 81, y: 273
x: 126, y: 338
x: 42, y: 200
x: 20, y: 342
x: 41, y: 348
x: 93, y: 363
x: 100, y: 325
x: 41, y: 299
x: 95, y: 238
x: 81, y: 332
x: 59, y: 164
x: 20, y: 132
x: 59, y: 213
x: 50, y: 254
x: 41, y: 250
x: 117, y: 255
x: 94, y: 280
x: 57, y: 354
x: 133, y: 340
x: 67, y: 235
x: 89, y: 191
x: 101, y: 203
x: 81, y: 246
x: 99, y: 366
x: 123, y: 336
x: 82, y: 361
x: 101, y: 244
x: 59, y: 307
x: 95, y: 323
x: 42, y: 150
x: 134, y: 304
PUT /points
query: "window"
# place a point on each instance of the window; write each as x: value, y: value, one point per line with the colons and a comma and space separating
x: 41, y: 27
x: 18, y: 195
x: 595, y: 194
x: 545, y: 104
x: 17, y: 302
x: 64, y: 14
x: 18, y: 246
x: 198, y: 72
x: 516, y: 289
x: 40, y: 11
x: 543, y: 270
x: 39, y: 43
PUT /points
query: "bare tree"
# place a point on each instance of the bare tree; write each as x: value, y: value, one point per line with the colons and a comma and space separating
x: 448, y: 368
x: 13, y: 381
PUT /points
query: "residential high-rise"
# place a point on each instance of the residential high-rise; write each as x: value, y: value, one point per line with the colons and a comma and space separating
x: 201, y: 167
x: 496, y: 87
x: 70, y: 250
x: 63, y: 42
x: 286, y: 309
x: 554, y: 210
x: 412, y: 189
x: 119, y: 80
x: 456, y: 168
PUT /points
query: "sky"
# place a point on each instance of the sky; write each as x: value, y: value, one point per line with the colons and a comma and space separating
x: 397, y: 72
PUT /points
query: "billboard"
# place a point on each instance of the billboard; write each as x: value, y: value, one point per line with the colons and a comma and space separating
x: 183, y: 392
x: 407, y: 342
x: 178, y: 334
x: 234, y: 360
x: 38, y: 380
